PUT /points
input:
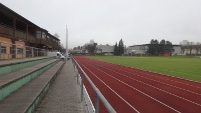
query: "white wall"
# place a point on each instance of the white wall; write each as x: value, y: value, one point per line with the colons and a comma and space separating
x: 106, y: 48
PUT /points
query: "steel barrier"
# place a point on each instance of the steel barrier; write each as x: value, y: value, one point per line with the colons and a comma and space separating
x: 98, y: 94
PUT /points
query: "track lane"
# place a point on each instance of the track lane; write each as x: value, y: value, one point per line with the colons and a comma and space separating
x: 185, y: 103
x: 121, y: 70
x: 161, y: 93
x: 187, y: 95
x: 140, y: 98
x: 185, y: 84
x: 113, y: 97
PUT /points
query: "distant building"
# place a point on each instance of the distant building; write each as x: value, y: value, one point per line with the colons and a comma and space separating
x: 137, y: 49
x: 142, y: 49
x: 177, y: 50
x: 105, y: 49
x: 191, y: 49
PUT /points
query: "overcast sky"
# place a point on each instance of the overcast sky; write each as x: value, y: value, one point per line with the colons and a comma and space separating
x: 108, y: 21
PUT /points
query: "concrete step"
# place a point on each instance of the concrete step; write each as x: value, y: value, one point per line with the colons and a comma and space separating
x: 28, y: 97
x: 12, y: 81
x: 9, y: 66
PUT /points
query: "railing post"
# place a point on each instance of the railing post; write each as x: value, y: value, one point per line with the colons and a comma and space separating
x: 82, y: 83
x: 77, y: 74
x: 75, y: 70
x: 73, y: 64
x: 96, y: 103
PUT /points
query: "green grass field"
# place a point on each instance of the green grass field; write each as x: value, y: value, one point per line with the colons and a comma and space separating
x: 183, y: 67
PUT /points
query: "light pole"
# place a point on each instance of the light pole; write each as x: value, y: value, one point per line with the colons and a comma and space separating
x: 66, y: 40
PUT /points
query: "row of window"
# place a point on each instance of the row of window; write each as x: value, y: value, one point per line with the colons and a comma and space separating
x: 3, y: 50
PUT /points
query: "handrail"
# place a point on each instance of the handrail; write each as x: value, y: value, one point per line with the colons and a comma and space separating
x: 98, y: 95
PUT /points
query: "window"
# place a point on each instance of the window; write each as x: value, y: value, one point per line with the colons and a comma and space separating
x: 3, y: 49
x: 19, y: 51
x: 38, y: 34
x: 43, y: 35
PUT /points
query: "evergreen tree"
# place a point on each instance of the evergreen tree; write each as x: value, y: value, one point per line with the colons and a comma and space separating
x: 153, y: 47
x: 168, y: 47
x: 156, y: 48
x: 115, y: 49
x: 162, y: 47
x: 121, y: 47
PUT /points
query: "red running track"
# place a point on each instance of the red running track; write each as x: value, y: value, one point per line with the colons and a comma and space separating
x: 131, y: 90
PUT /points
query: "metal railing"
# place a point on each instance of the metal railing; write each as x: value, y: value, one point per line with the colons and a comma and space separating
x: 98, y: 94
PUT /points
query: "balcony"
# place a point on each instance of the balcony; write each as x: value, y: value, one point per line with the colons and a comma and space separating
x: 31, y: 38
x: 20, y: 35
x: 6, y: 30
x: 40, y: 41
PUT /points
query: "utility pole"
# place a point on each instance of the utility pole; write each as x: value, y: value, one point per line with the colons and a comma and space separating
x: 66, y: 40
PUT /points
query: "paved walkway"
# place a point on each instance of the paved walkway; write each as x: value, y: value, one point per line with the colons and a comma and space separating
x: 64, y: 94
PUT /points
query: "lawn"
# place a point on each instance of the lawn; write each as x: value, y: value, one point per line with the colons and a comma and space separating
x: 183, y: 67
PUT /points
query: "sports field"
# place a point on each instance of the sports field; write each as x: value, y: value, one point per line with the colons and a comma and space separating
x: 182, y: 67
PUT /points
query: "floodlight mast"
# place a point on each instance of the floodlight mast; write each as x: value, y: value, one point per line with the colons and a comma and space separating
x: 66, y: 40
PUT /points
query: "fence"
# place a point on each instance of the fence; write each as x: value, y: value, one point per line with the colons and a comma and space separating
x: 10, y: 51
x: 98, y: 94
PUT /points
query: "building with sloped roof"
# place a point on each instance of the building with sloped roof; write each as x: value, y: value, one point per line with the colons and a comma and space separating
x: 17, y: 32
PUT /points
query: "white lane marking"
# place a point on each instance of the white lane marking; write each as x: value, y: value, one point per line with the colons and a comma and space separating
x: 155, y: 87
x: 165, y: 78
x: 112, y: 90
x: 157, y: 81
x: 138, y: 90
x: 173, y: 80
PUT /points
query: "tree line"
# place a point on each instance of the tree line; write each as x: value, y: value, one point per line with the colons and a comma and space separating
x: 159, y: 48
x: 91, y: 47
x: 119, y: 49
x: 155, y: 47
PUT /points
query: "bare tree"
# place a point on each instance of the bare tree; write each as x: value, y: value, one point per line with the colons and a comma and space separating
x: 56, y: 35
x: 197, y: 43
x: 190, y: 46
x: 186, y: 45
x: 91, y: 46
x: 184, y: 42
